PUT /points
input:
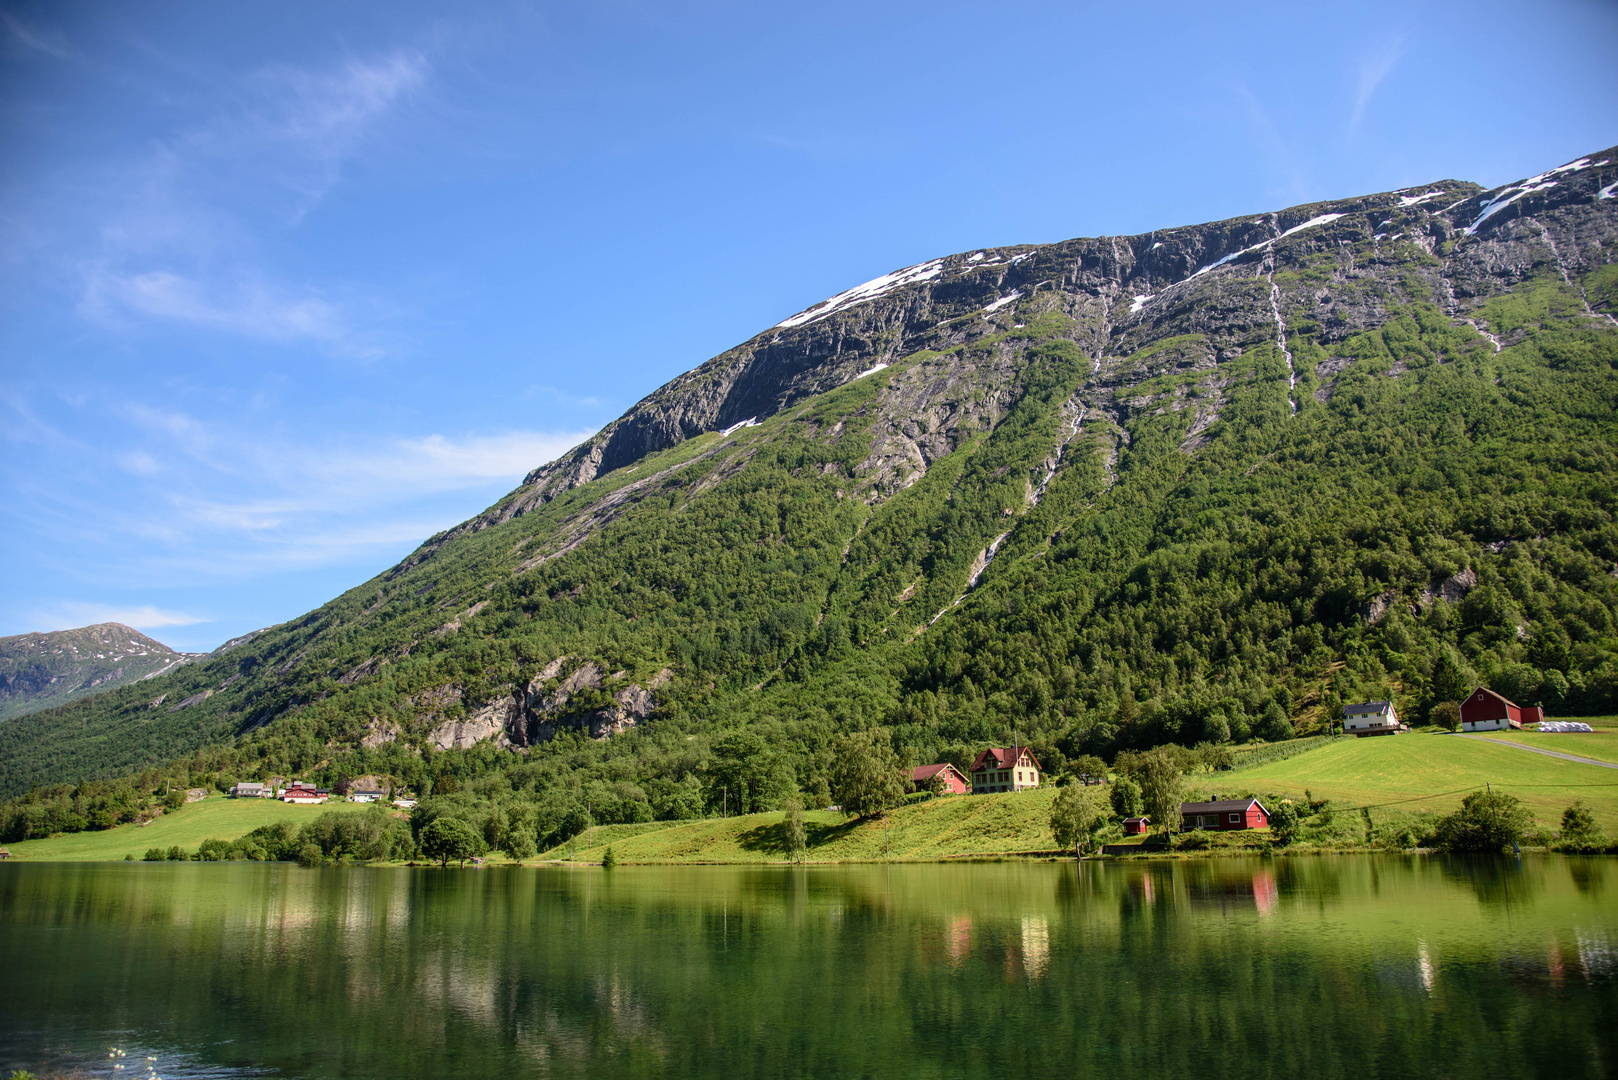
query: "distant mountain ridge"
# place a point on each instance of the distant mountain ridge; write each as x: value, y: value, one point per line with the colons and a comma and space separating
x: 1197, y: 485
x: 42, y: 670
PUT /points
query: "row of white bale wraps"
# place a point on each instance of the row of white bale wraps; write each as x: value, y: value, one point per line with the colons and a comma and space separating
x: 1564, y: 725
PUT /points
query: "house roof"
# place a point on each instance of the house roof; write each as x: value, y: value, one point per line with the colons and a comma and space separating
x: 1220, y: 807
x: 1004, y: 758
x: 1142, y: 819
x: 1367, y: 707
x: 927, y: 772
x: 1494, y: 694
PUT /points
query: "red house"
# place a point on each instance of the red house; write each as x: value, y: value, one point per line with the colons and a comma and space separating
x: 954, y: 782
x: 1134, y: 826
x: 1226, y: 815
x: 1485, y: 710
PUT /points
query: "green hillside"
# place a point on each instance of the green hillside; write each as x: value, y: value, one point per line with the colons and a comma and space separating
x: 1202, y: 485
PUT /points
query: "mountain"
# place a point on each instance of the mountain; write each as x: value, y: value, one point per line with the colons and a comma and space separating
x: 38, y: 671
x: 1197, y: 485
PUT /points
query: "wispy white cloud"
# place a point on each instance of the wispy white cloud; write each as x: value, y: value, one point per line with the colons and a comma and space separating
x: 1374, y: 68
x: 255, y: 309
x: 70, y: 614
x: 221, y: 498
x: 50, y: 42
x: 178, y: 233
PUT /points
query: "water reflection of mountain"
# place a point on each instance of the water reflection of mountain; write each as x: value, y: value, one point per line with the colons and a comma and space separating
x: 1205, y: 967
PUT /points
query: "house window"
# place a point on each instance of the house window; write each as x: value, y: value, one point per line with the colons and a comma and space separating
x: 1235, y: 818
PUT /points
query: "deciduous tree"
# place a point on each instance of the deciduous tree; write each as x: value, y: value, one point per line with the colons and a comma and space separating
x: 866, y: 776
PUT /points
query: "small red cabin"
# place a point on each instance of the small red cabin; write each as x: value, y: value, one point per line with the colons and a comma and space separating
x: 1134, y: 826
x: 1485, y: 710
x: 954, y: 782
x: 1226, y: 815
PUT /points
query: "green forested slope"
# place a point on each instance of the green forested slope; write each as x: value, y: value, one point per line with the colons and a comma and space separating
x: 1336, y: 466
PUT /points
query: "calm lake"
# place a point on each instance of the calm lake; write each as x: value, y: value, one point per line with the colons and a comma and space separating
x: 1332, y: 967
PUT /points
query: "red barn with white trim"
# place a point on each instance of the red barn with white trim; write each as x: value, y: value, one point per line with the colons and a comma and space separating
x: 1485, y: 710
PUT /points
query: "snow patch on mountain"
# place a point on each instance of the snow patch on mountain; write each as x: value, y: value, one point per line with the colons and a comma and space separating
x: 859, y: 294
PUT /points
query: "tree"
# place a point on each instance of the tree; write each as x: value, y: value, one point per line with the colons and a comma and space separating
x: 866, y: 776
x: 1274, y: 725
x: 1487, y: 822
x: 795, y: 838
x: 743, y: 775
x: 1448, y: 681
x: 609, y: 859
x: 1447, y: 715
x: 310, y: 854
x: 519, y: 837
x: 1162, y: 787
x: 1285, y: 821
x: 449, y: 838
x: 1126, y: 798
x: 1088, y: 765
x: 1579, y: 829
x: 1073, y: 817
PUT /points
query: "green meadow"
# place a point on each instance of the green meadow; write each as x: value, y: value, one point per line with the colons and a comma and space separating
x: 1429, y: 770
x: 215, y: 817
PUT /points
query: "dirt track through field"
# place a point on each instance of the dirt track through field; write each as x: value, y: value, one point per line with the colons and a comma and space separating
x: 1547, y: 753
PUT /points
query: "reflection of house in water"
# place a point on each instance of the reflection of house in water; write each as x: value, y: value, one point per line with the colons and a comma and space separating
x: 1265, y: 894
x: 1596, y: 954
x: 1036, y: 945
x: 958, y: 939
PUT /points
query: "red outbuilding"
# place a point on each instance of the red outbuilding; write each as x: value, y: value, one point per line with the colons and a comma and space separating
x: 1134, y: 826
x: 954, y: 782
x: 1485, y: 710
x: 1225, y: 815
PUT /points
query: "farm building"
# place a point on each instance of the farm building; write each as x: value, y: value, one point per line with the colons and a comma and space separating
x: 952, y: 779
x: 304, y: 793
x: 252, y: 791
x: 1134, y: 826
x: 365, y: 796
x: 1371, y: 718
x: 1225, y: 815
x: 1485, y: 710
x: 1004, y: 769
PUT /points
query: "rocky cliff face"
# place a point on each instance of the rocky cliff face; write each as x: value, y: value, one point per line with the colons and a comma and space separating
x: 1329, y: 269
x: 38, y: 671
x: 551, y: 703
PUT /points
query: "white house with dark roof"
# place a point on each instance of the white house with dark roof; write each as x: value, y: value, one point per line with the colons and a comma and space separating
x: 1371, y: 718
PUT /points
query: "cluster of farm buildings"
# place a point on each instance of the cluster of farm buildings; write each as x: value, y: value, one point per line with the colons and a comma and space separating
x: 1483, y: 710
x: 1000, y: 769
x: 299, y: 792
x: 1015, y: 769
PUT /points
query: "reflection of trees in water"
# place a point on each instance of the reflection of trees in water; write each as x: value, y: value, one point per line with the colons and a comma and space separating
x: 1204, y: 968
x: 1495, y: 879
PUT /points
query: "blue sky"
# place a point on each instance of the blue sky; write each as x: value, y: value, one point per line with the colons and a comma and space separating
x: 289, y: 287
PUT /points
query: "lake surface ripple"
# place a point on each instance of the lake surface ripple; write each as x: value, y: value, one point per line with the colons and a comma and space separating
x: 1347, y: 967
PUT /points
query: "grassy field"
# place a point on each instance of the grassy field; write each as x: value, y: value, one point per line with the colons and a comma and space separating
x: 215, y: 817
x: 1601, y: 744
x: 1433, y: 771
x: 955, y: 826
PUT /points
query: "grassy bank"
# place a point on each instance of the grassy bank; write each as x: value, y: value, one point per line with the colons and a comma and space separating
x: 949, y: 827
x: 214, y: 818
x: 1433, y: 771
